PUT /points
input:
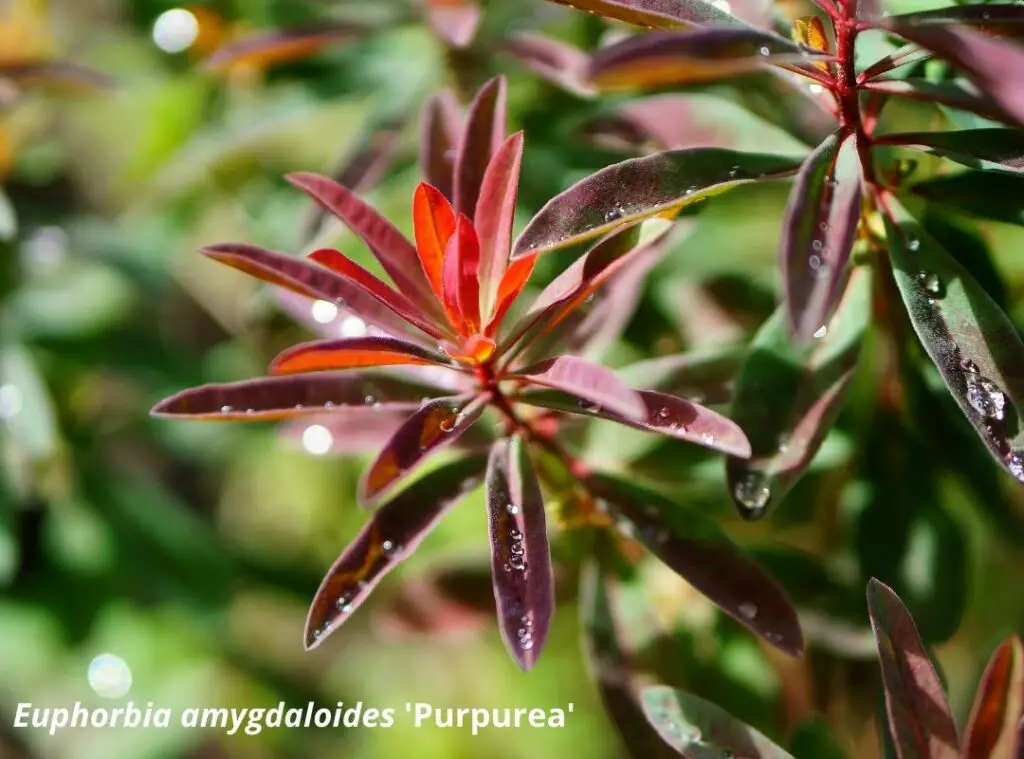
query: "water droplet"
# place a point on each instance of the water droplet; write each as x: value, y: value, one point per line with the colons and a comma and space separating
x: 968, y: 366
x: 814, y: 262
x: 369, y: 400
x: 764, y: 50
x: 1015, y: 463
x: 735, y: 170
x: 985, y: 397
x: 390, y: 548
x: 515, y: 535
x: 517, y: 563
x: 707, y: 438
x: 328, y: 405
x: 663, y: 412
x: 586, y: 405
x: 820, y: 332
x: 783, y: 443
x: 751, y: 491
x: 512, y: 509
x: 616, y: 212
x: 317, y: 439
x: 817, y: 244
x: 226, y: 409
x: 930, y: 282
x: 913, y: 243
x: 748, y: 610
x: 590, y: 298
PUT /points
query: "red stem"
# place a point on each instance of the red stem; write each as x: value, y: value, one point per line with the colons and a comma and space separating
x: 847, y: 90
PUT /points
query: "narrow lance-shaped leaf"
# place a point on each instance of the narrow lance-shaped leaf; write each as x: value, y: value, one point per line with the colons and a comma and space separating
x: 482, y: 136
x: 978, y: 148
x: 437, y: 423
x: 276, y: 46
x: 592, y: 383
x: 396, y: 254
x: 660, y: 14
x: 972, y: 342
x: 551, y: 59
x: 904, y: 56
x: 946, y: 93
x: 640, y: 188
x: 352, y: 353
x: 460, y: 286
x: 698, y: 729
x: 996, y: 19
x: 994, y: 730
x: 787, y: 397
x: 818, y: 233
x: 995, y: 66
x: 665, y: 414
x: 391, y: 535
x: 696, y: 548
x: 281, y: 397
x: 438, y: 140
x: 661, y: 59
x: 919, y: 717
x: 495, y: 213
x: 434, y: 223
x: 520, y: 557
x: 985, y: 194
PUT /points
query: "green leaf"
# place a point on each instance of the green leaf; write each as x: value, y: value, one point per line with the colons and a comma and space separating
x: 973, y: 343
x: 989, y: 195
x: 1001, y: 149
x: 787, y: 397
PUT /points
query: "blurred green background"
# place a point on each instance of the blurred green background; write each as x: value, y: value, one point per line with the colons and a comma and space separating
x: 192, y: 550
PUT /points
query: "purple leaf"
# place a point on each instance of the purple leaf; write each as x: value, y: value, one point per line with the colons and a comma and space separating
x: 592, y: 383
x: 483, y: 135
x: 551, y: 59
x: 698, y: 729
x: 437, y: 423
x: 396, y: 254
x: 977, y: 148
x: 905, y: 56
x: 787, y: 397
x: 660, y: 59
x: 520, y: 558
x: 660, y: 14
x: 695, y: 548
x: 995, y: 66
x: 274, y: 46
x: 391, y: 535
x: 996, y: 19
x: 441, y: 132
x: 997, y: 717
x: 665, y: 414
x: 305, y: 278
x: 640, y: 188
x: 919, y: 717
x: 455, y: 21
x: 818, y: 233
x: 495, y: 213
x: 281, y: 397
x: 947, y: 93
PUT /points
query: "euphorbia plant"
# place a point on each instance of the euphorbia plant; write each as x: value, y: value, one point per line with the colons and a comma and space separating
x: 448, y: 313
x: 850, y: 193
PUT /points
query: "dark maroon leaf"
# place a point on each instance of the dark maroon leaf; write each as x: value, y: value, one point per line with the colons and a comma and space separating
x: 995, y: 66
x: 495, y: 213
x: 551, y: 59
x: 592, y: 383
x: 301, y: 276
x: 456, y: 21
x: 520, y: 558
x: 661, y: 14
x: 985, y: 194
x: 994, y: 730
x: 905, y: 56
x: 818, y: 233
x: 919, y: 717
x: 972, y: 342
x: 997, y: 19
x: 640, y: 188
x: 438, y: 140
x: 696, y: 548
x: 396, y: 254
x: 947, y: 93
x: 787, y: 397
x: 660, y: 59
x: 437, y: 423
x: 394, y: 532
x: 978, y: 148
x: 665, y: 414
x: 698, y: 729
x: 275, y: 46
x: 483, y: 135
x: 280, y: 397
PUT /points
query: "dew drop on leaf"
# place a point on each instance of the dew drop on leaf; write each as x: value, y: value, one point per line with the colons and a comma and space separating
x: 764, y: 50
x: 913, y: 243
x: 820, y: 332
x: 226, y: 409
x: 985, y: 397
x: 748, y: 610
x: 930, y: 282
x: 1015, y: 463
x: 512, y: 509
x: 752, y: 492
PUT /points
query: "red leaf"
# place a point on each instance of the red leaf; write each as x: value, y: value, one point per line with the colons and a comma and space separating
x: 440, y: 134
x: 919, y: 717
x: 299, y: 276
x: 512, y: 284
x: 495, y: 213
x: 461, y: 287
x: 396, y: 254
x: 520, y: 557
x: 659, y: 14
x: 818, y: 233
x: 434, y: 223
x: 591, y: 383
x: 994, y: 730
x: 274, y: 46
x: 664, y: 414
x: 281, y: 397
x: 394, y: 532
x: 455, y: 21
x: 483, y: 134
x: 437, y: 423
x: 369, y: 284
x: 352, y: 353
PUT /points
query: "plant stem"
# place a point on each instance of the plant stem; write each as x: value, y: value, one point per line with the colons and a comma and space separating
x: 847, y: 88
